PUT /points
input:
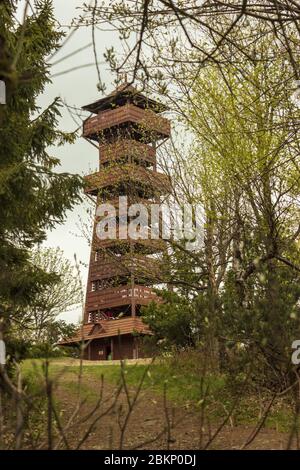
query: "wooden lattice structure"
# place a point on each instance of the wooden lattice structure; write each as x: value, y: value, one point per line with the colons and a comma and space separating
x: 128, y: 127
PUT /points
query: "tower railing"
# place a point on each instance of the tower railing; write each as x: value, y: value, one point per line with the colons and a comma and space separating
x: 145, y: 118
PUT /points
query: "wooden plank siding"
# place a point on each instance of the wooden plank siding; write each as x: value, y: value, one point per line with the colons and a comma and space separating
x: 127, y: 148
x: 118, y: 296
x: 147, y: 246
x: 146, y: 119
x: 123, y: 347
x: 159, y: 183
x: 125, y: 265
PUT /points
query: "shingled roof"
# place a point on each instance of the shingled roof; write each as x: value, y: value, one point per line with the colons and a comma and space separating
x: 120, y: 96
x: 108, y: 328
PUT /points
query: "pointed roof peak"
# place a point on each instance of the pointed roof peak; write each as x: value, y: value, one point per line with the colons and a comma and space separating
x: 125, y: 86
x: 124, y: 93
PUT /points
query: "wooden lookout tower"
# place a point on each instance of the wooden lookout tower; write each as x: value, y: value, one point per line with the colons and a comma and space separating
x: 127, y: 126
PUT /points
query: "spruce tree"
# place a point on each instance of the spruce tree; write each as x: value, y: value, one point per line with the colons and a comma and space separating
x: 34, y: 196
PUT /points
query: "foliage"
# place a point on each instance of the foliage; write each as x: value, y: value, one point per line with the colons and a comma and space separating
x: 246, y: 164
x: 174, y: 323
x: 21, y: 347
x: 244, y: 160
x: 33, y: 195
x: 62, y: 294
x: 187, y: 384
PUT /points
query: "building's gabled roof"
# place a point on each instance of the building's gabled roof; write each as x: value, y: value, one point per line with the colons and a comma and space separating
x: 108, y: 328
x: 120, y: 96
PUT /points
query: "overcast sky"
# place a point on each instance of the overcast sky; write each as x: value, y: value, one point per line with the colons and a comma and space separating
x: 77, y: 88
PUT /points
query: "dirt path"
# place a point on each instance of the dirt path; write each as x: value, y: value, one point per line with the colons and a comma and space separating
x: 147, y: 425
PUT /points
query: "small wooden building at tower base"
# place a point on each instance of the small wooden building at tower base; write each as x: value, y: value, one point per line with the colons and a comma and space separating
x: 111, y: 339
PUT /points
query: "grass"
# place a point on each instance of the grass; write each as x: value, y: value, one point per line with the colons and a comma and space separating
x: 181, y: 388
x: 184, y: 387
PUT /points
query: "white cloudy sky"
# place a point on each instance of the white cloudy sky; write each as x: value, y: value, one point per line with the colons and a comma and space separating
x: 77, y: 89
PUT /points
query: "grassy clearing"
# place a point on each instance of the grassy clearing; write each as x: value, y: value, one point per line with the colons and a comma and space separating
x: 184, y: 387
x: 181, y: 388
